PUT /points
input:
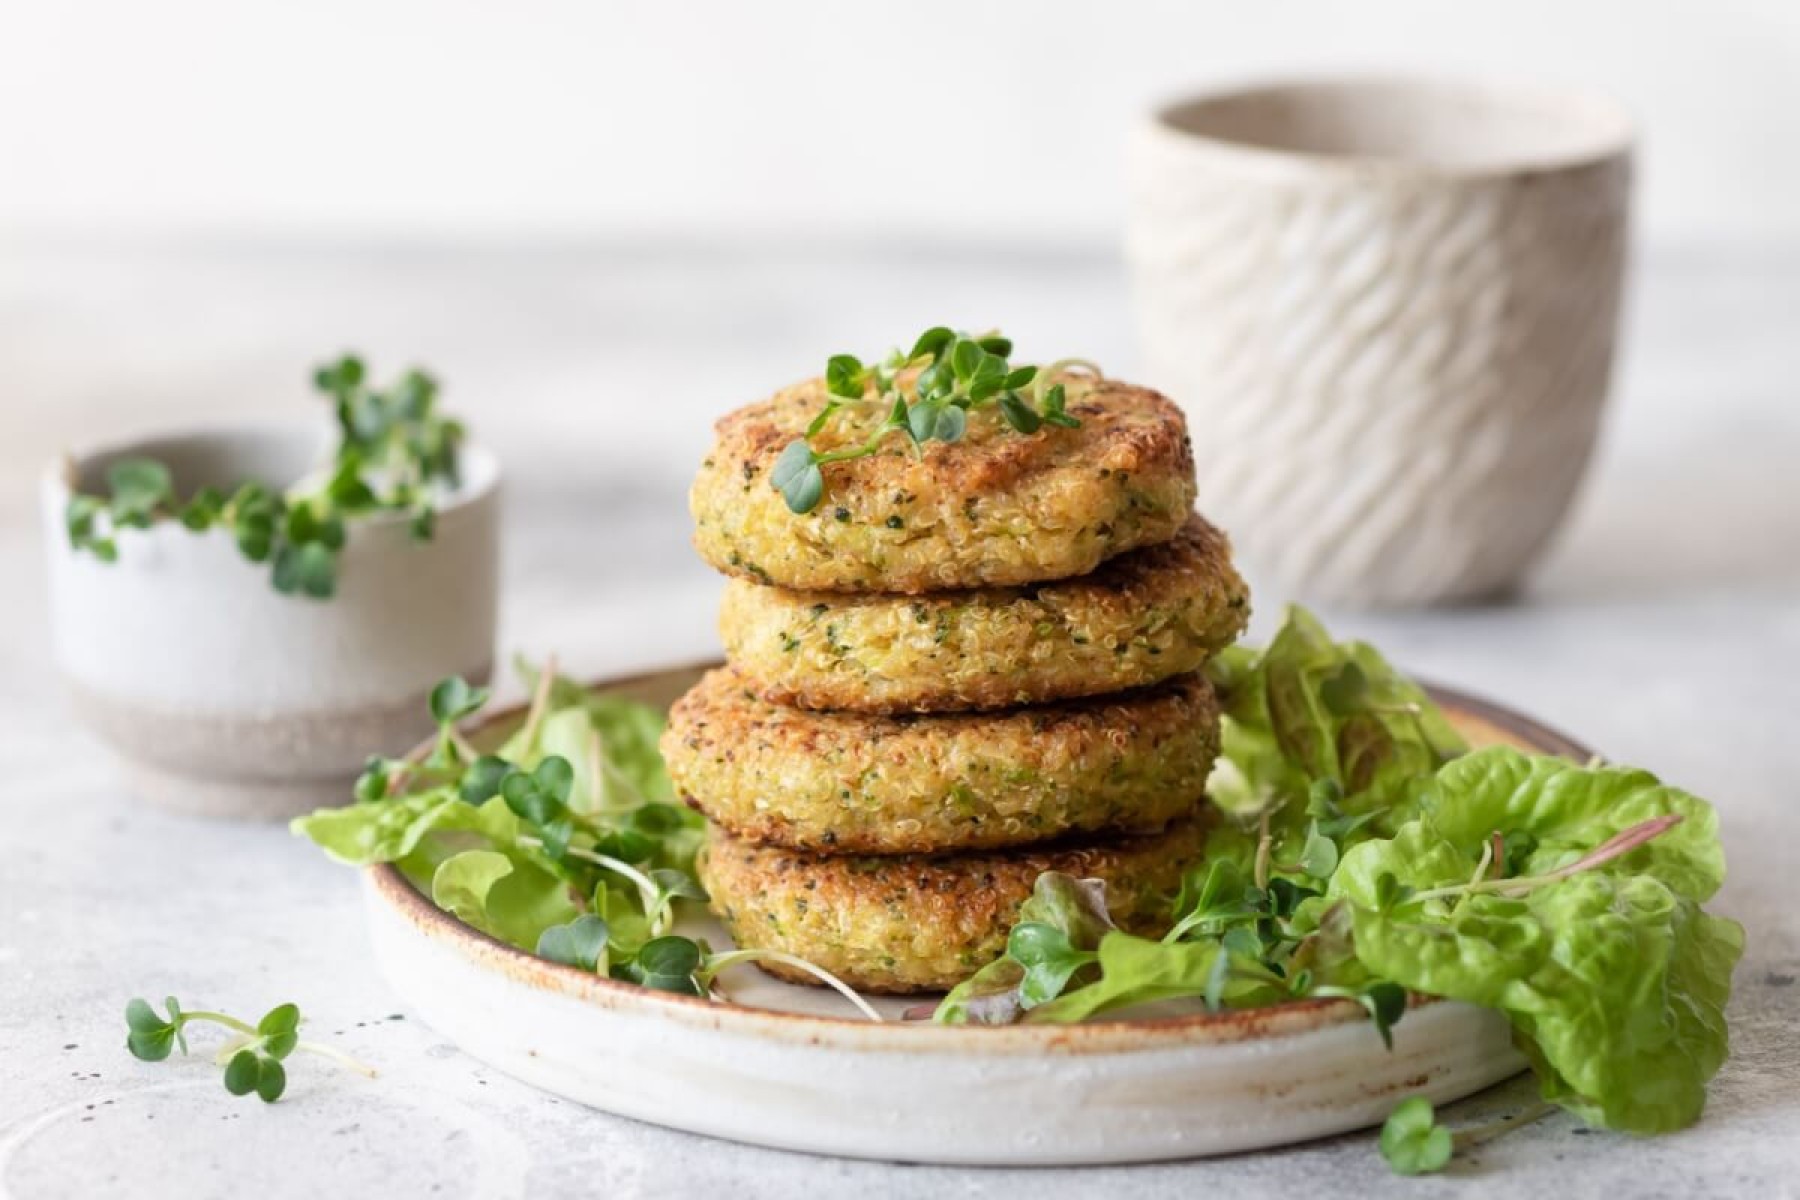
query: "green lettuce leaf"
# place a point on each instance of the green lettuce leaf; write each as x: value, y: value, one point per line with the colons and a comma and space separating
x: 1563, y: 811
x: 575, y: 817
x: 1307, y: 719
x: 1305, y: 708
x: 631, y: 764
x: 1060, y: 927
x: 629, y: 731
x: 378, y: 831
x: 1136, y: 971
x: 506, y: 896
x: 1615, y: 981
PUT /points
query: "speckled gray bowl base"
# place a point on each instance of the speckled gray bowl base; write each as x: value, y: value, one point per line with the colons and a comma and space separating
x: 264, y: 768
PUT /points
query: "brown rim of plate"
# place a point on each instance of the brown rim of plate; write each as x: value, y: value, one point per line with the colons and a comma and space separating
x: 1114, y: 1034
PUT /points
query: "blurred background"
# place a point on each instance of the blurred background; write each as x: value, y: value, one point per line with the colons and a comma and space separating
x: 603, y: 224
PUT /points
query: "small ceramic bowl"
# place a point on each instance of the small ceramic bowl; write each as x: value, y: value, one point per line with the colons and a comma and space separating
x: 1389, y: 307
x: 224, y: 697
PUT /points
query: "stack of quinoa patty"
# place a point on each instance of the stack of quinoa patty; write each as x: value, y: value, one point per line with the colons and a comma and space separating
x: 964, y: 667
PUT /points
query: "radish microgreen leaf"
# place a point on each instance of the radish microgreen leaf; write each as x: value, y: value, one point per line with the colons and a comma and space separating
x: 1412, y: 1141
x: 252, y: 1057
x: 927, y: 394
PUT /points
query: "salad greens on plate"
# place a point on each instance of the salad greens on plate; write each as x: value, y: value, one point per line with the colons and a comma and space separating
x: 565, y: 841
x: 1361, y: 852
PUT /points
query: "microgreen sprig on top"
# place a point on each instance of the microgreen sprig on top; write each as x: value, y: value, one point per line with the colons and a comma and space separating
x: 949, y: 375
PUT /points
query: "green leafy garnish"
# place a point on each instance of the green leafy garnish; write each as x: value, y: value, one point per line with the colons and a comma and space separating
x: 395, y: 454
x: 580, y: 943
x: 1057, y: 938
x: 252, y: 1058
x: 668, y: 964
x: 1307, y: 719
x: 1365, y: 855
x: 1324, y: 745
x: 453, y: 699
x: 1412, y: 1141
x: 563, y: 840
x: 925, y: 394
x: 1136, y: 971
x: 1597, y: 949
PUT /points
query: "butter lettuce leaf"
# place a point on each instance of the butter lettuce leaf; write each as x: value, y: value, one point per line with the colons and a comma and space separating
x: 1561, y: 811
x: 1064, y: 913
x: 571, y: 815
x: 1306, y: 708
x: 1311, y: 726
x: 504, y: 895
x: 1615, y: 981
x: 1135, y: 971
x: 378, y: 831
x: 629, y: 766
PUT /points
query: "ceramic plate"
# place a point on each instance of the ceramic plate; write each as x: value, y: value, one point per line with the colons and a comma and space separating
x: 795, y: 1068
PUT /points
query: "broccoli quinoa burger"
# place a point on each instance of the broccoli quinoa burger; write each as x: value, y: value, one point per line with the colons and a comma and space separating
x: 1143, y: 617
x: 917, y: 923
x: 851, y: 783
x: 993, y: 508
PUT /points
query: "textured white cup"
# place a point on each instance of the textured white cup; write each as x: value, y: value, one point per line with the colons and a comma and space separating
x: 226, y: 698
x: 1389, y: 308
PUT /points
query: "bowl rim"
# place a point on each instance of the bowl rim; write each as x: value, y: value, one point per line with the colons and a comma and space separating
x: 1106, y: 1035
x: 58, y: 475
x: 1595, y: 105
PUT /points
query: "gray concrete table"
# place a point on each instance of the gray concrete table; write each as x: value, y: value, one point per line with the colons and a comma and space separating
x: 1665, y: 630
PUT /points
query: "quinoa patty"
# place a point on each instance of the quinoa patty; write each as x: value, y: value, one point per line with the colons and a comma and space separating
x: 850, y: 783
x: 1141, y: 618
x: 923, y: 924
x: 996, y: 509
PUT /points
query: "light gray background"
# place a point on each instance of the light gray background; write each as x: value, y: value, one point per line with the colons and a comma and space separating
x: 603, y: 225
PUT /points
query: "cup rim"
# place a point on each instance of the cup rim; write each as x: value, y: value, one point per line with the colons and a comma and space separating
x: 481, y: 476
x: 1613, y: 134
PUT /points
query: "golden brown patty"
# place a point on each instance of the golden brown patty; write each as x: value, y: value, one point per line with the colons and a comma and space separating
x: 996, y: 509
x: 850, y: 783
x: 923, y: 924
x: 1141, y: 618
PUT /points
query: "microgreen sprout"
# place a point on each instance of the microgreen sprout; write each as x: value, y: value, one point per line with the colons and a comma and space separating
x: 580, y: 943
x: 1384, y: 1002
x: 669, y: 964
x: 949, y: 375
x: 1414, y: 1143
x: 454, y: 700
x: 252, y: 1057
x: 715, y: 963
x: 1050, y: 960
x: 395, y: 453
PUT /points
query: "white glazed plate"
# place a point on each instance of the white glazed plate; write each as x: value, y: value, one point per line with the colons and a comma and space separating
x: 792, y: 1068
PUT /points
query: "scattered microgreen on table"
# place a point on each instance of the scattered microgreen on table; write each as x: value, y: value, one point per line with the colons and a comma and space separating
x: 923, y: 395
x: 396, y: 454
x: 252, y: 1057
x: 1414, y: 1143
